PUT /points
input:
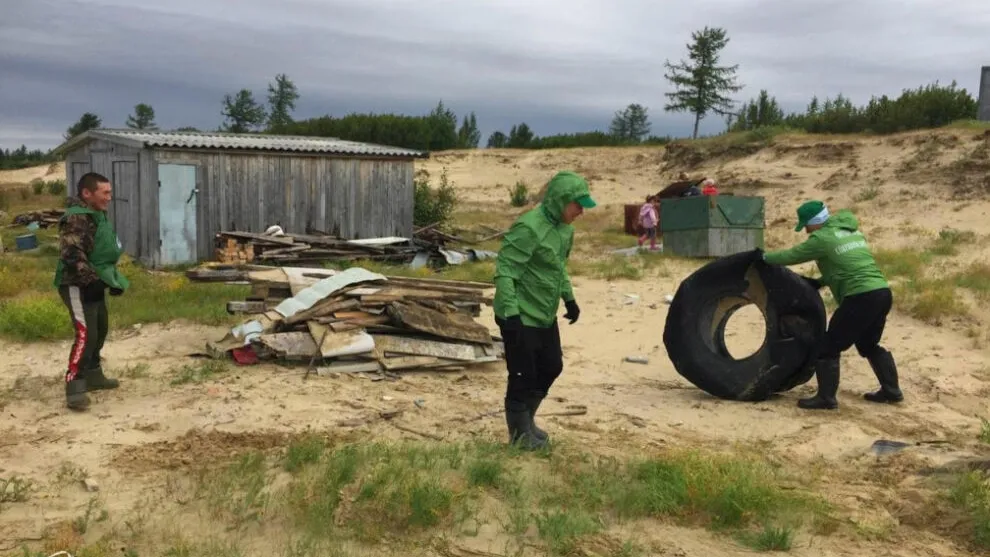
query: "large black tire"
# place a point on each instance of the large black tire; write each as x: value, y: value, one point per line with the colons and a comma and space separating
x: 694, y: 334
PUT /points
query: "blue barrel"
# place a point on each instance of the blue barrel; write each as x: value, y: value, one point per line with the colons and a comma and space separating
x: 26, y: 242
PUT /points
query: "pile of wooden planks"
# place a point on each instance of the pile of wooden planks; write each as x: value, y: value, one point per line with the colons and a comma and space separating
x: 241, y: 247
x: 45, y: 218
x: 356, y: 320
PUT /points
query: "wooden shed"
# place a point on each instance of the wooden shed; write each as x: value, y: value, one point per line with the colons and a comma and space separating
x: 173, y: 191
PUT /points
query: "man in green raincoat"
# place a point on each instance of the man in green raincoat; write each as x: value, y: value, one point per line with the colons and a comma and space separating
x: 87, y: 267
x: 848, y: 268
x: 530, y: 281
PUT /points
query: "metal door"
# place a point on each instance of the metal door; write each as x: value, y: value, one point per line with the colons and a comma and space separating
x: 177, y: 213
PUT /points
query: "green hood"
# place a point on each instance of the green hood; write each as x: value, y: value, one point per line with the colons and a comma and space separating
x: 564, y: 187
x: 843, y: 220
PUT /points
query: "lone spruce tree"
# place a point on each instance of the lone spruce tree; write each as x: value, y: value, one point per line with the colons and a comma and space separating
x: 701, y: 85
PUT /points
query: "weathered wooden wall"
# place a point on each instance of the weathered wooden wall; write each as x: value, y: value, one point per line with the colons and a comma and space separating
x: 350, y: 197
x: 133, y: 210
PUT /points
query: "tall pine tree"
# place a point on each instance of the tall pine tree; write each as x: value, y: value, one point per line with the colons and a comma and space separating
x: 631, y: 125
x: 282, y: 97
x: 701, y: 85
x: 242, y: 113
x: 143, y: 118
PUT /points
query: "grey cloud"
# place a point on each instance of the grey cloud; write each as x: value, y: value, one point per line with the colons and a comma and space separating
x: 561, y: 67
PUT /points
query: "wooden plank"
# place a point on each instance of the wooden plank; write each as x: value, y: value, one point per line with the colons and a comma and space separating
x: 322, y: 308
x: 407, y: 362
x: 354, y: 324
x: 454, y: 326
x: 245, y: 307
x: 257, y: 237
x: 349, y: 367
x: 290, y: 346
x: 424, y: 347
x: 427, y: 283
x: 336, y: 344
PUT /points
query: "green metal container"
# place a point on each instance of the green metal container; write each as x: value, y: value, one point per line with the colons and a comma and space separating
x: 712, y: 225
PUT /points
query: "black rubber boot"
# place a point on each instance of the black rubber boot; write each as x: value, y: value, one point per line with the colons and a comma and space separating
x: 95, y: 380
x: 517, y: 418
x: 533, y: 404
x: 75, y: 395
x: 827, y: 372
x: 885, y: 369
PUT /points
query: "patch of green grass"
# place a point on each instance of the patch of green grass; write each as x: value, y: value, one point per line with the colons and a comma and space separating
x: 984, y: 431
x: 971, y: 494
x: 949, y: 240
x: 866, y: 194
x: 239, y: 492
x: 901, y: 262
x: 617, y: 267
x: 621, y: 267
x: 322, y: 495
x: 975, y: 278
x: 205, y: 371
x: 31, y: 309
x: 929, y: 300
x: 14, y: 490
x: 770, y: 538
x: 304, y: 452
x: 969, y: 125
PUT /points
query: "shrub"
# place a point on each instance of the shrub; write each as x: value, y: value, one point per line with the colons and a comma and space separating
x: 519, y: 195
x: 433, y: 205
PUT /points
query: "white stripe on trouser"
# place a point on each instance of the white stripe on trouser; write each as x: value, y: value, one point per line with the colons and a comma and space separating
x: 79, y: 319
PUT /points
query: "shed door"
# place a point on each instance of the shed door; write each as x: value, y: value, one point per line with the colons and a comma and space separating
x: 177, y: 213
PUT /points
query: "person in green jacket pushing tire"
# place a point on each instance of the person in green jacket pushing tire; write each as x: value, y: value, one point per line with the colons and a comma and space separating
x: 849, y: 270
x: 530, y: 281
x: 89, y: 250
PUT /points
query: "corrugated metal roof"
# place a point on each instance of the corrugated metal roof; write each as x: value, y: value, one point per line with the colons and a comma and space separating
x: 259, y: 142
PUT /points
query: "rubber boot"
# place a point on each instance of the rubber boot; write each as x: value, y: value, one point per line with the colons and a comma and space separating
x: 75, y: 395
x: 517, y: 418
x: 827, y: 372
x: 533, y: 404
x: 95, y: 380
x: 884, y: 367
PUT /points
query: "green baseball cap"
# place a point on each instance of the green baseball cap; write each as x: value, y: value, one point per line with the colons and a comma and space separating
x: 586, y: 201
x: 806, y: 212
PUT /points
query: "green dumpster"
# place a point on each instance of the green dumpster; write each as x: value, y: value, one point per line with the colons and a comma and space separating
x: 711, y: 225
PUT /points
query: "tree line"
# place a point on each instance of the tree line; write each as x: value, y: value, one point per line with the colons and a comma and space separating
x: 702, y: 87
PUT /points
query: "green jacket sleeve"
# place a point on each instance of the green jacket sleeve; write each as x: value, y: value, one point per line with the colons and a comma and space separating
x: 809, y: 250
x: 517, y: 248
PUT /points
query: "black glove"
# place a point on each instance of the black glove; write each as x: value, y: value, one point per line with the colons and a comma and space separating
x: 814, y: 283
x: 94, y: 291
x: 573, y: 311
x: 116, y: 291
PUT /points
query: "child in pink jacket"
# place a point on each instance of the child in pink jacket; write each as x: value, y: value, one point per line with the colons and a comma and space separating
x: 648, y: 219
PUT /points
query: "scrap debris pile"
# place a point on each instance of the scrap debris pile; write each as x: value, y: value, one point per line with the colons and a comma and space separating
x: 355, y: 321
x: 427, y: 247
x: 45, y: 218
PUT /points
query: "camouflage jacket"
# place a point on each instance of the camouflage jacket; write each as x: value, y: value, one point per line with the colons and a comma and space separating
x: 76, y: 234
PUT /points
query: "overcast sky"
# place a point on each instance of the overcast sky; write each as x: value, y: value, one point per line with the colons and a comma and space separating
x: 559, y: 65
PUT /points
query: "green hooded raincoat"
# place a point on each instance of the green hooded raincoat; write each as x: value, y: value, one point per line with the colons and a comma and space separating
x: 842, y: 255
x: 530, y: 272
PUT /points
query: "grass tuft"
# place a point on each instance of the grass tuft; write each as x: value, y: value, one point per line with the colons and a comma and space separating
x: 971, y: 494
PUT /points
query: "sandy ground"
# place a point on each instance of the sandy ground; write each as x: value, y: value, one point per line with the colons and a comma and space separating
x: 133, y: 436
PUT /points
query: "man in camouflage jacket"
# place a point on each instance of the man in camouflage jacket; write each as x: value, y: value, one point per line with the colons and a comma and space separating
x: 89, y: 250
